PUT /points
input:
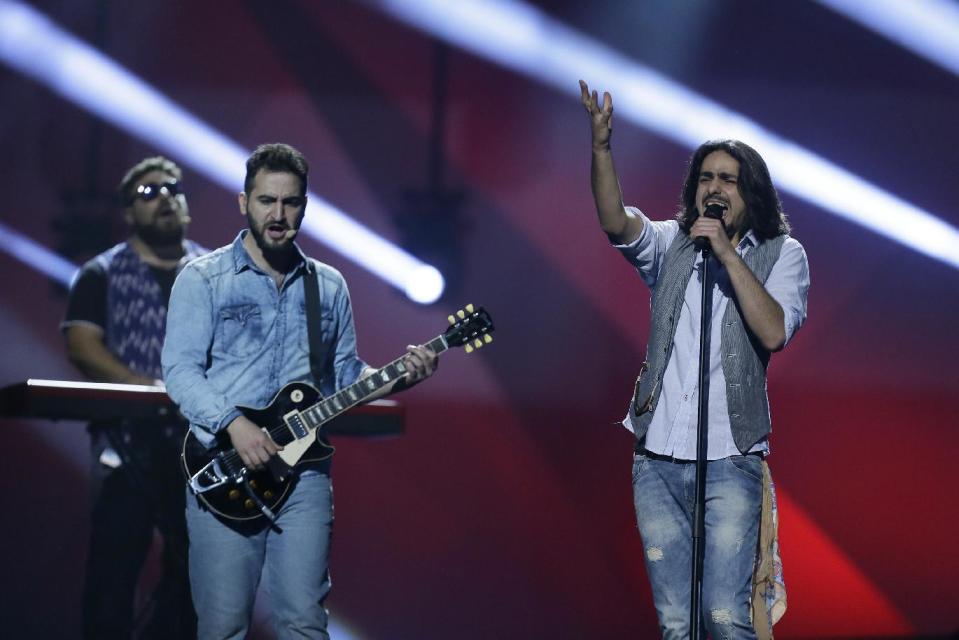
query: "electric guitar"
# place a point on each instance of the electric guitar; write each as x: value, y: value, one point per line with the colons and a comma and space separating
x: 295, y: 419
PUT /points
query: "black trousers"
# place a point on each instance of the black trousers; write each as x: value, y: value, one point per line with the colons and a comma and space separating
x: 145, y: 492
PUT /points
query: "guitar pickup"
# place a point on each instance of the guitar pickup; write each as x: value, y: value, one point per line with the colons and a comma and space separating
x: 296, y: 425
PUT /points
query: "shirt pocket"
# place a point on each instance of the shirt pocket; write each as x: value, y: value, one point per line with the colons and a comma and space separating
x: 241, y: 330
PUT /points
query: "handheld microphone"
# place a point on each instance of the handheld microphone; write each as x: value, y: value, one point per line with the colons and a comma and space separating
x: 714, y: 211
x: 291, y: 233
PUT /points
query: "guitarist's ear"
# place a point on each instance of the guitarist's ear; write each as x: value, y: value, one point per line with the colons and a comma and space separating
x: 241, y: 199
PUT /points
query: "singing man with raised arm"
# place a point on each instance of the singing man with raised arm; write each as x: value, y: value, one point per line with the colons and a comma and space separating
x: 761, y: 280
x: 236, y: 334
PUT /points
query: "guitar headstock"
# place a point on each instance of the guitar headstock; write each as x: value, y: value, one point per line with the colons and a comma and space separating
x: 469, y: 328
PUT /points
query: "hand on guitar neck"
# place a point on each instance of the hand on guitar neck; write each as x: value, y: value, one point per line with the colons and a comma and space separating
x: 420, y: 363
x: 252, y: 443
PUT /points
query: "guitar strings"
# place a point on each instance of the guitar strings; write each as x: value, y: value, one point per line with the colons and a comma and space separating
x: 231, y: 457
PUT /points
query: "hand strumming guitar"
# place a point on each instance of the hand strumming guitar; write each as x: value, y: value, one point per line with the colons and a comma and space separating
x: 254, y: 445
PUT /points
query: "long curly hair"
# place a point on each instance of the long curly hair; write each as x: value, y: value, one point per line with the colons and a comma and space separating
x: 764, y: 212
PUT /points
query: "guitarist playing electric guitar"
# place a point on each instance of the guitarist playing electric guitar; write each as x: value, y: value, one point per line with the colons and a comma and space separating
x: 237, y: 337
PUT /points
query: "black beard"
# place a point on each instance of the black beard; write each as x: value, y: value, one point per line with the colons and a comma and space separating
x: 276, y: 256
x: 159, y: 238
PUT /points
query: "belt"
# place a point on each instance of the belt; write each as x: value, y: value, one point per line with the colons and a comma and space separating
x: 658, y: 456
x: 661, y: 457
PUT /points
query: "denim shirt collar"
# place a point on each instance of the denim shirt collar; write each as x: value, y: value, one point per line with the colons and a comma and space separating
x: 242, y: 259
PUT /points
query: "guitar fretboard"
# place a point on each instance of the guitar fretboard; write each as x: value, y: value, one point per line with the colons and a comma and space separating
x: 327, y: 409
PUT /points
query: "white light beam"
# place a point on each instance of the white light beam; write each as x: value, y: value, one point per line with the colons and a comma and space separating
x: 526, y: 40
x: 33, y: 45
x: 928, y: 28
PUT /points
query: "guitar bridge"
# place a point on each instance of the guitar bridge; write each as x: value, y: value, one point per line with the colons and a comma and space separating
x: 209, y: 477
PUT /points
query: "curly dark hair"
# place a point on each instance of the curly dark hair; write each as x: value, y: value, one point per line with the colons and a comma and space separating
x: 764, y: 211
x: 276, y: 157
x: 140, y: 169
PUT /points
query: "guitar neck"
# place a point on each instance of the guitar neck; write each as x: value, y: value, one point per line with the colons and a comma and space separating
x: 360, y: 391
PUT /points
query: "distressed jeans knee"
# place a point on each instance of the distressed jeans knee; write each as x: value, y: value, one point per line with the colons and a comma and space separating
x: 663, y: 497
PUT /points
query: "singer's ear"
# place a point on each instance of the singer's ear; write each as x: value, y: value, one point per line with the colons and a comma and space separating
x: 241, y: 198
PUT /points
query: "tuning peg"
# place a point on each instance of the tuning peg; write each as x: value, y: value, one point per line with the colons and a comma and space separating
x: 451, y: 319
x: 487, y: 338
x: 469, y: 308
x: 477, y: 343
x: 468, y: 348
x: 461, y: 314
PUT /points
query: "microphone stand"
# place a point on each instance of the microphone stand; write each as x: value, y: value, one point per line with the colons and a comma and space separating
x: 702, y: 431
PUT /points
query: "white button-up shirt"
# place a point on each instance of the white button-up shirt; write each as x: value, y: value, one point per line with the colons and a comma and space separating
x: 672, y: 431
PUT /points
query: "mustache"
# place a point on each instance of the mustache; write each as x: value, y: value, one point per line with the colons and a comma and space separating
x: 289, y: 232
x: 715, y: 200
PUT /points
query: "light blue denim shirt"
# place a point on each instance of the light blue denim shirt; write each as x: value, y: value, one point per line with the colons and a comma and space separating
x: 672, y: 431
x: 234, y: 338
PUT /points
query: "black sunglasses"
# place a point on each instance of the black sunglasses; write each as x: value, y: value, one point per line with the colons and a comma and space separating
x: 151, y: 190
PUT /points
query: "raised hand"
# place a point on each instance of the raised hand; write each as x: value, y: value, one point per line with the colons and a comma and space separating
x: 601, y: 118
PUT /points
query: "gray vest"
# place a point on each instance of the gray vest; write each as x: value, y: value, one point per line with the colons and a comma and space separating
x: 744, y: 359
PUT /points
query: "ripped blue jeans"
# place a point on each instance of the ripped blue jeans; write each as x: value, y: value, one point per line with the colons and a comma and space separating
x: 663, y: 494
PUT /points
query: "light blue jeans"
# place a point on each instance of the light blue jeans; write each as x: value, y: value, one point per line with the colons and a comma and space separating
x: 227, y: 559
x: 664, y: 493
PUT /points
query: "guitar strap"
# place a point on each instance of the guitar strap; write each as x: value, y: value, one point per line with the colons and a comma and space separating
x: 311, y: 291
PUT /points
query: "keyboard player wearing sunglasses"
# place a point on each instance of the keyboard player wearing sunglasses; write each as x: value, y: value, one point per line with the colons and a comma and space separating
x: 114, y: 328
